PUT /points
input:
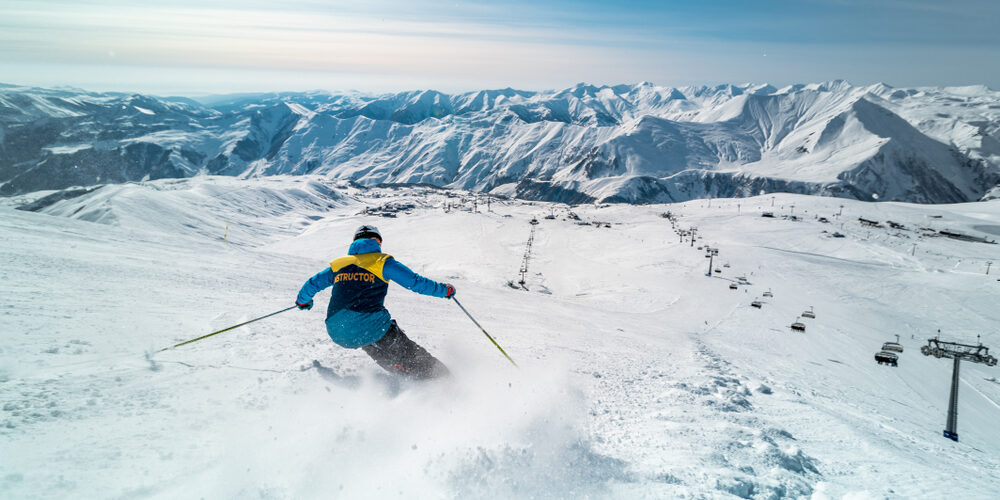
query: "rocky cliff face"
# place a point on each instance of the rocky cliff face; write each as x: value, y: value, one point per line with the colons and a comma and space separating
x: 628, y: 143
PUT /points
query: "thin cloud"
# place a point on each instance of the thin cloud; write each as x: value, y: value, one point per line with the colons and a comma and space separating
x: 480, y: 44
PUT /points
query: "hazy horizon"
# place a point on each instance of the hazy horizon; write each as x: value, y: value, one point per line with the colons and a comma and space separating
x: 208, y: 96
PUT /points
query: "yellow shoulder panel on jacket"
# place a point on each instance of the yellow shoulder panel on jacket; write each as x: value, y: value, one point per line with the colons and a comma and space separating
x: 343, y: 262
x: 371, y: 262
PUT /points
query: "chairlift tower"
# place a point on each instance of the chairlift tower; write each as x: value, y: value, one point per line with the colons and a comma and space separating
x: 958, y: 352
x: 712, y: 252
x: 527, y: 256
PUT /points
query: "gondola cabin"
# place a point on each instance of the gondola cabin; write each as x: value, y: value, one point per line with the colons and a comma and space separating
x: 886, y: 358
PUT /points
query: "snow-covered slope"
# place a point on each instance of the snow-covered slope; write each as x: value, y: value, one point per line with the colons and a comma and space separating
x: 641, y: 377
x: 634, y: 143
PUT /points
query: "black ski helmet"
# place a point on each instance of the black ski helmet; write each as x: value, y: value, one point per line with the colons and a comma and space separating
x: 367, y: 231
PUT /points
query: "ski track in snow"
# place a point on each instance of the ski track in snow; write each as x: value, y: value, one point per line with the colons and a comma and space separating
x: 640, y: 378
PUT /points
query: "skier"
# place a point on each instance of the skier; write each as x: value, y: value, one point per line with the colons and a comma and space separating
x: 357, y: 316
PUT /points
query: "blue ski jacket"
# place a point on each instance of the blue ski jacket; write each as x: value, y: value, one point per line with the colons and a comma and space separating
x: 357, y: 315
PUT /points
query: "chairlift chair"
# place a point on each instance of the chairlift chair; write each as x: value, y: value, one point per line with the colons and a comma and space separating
x: 809, y: 314
x: 758, y: 304
x: 887, y: 358
x: 798, y: 326
x: 732, y: 286
x: 893, y: 346
x: 768, y: 293
x: 725, y: 265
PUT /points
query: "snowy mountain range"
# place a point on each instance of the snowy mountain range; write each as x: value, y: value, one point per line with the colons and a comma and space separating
x: 627, y: 143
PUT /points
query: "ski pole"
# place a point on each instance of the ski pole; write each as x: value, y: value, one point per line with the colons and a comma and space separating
x: 484, y: 332
x: 226, y: 329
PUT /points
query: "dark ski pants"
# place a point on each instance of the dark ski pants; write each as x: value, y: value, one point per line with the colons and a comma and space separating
x: 396, y: 353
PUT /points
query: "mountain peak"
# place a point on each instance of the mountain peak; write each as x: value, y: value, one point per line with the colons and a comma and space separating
x: 629, y: 142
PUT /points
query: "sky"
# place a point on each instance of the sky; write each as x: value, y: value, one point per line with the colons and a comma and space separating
x: 221, y: 46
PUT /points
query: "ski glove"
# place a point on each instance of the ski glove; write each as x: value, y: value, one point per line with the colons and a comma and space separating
x: 450, y: 292
x: 306, y: 306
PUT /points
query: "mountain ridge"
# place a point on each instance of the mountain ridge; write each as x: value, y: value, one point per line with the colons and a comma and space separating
x: 636, y: 143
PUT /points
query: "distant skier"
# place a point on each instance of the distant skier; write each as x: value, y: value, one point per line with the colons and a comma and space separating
x: 357, y: 316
